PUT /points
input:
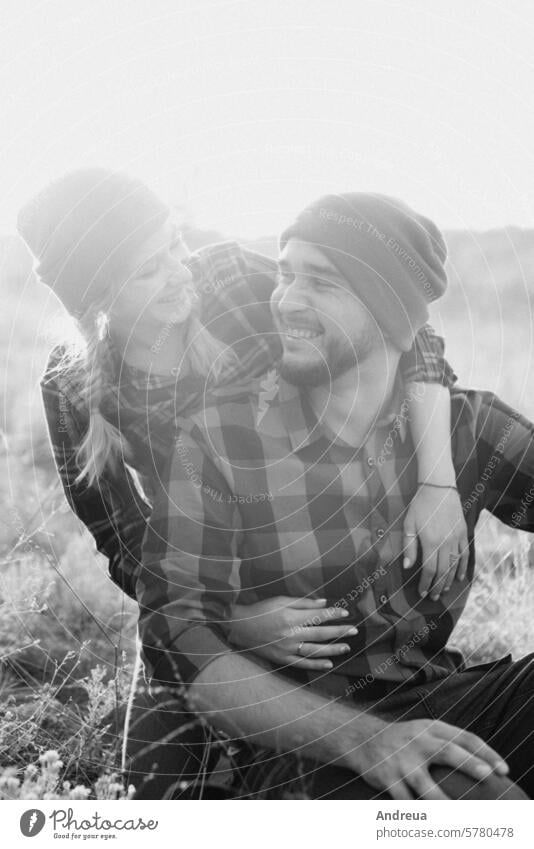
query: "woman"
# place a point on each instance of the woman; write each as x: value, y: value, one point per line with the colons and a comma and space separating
x: 158, y: 329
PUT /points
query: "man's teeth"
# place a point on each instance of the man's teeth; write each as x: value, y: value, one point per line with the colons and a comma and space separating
x: 300, y: 333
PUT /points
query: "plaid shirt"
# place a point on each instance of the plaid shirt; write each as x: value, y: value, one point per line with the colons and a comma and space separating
x: 234, y: 286
x: 260, y: 501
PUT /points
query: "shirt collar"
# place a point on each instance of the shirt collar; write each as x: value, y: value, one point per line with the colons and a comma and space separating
x: 303, y: 427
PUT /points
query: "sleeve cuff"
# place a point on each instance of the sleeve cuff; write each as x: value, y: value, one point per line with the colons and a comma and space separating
x: 194, y: 649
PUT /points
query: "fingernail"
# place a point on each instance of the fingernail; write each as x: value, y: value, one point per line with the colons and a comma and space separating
x: 327, y: 664
x: 344, y: 612
x: 352, y: 631
x: 320, y: 600
x: 435, y: 597
x: 483, y: 769
x: 424, y: 594
x: 406, y: 563
x: 345, y: 648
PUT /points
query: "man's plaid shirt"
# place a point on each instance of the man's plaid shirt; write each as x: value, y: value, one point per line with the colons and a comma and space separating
x: 234, y: 287
x: 261, y: 502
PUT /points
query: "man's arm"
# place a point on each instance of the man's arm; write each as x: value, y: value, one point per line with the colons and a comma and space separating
x: 238, y: 696
x: 189, y: 580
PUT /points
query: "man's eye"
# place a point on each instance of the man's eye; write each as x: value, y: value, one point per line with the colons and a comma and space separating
x: 320, y: 283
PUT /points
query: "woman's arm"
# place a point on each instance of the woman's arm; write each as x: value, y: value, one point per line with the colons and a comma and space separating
x: 113, y: 511
x: 435, y: 516
x: 235, y: 285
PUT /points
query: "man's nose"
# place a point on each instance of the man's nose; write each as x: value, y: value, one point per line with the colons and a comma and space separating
x: 294, y: 298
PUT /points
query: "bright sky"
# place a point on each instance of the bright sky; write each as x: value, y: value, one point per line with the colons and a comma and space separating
x: 257, y: 106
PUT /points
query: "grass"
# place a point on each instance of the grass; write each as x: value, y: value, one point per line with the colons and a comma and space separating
x: 66, y: 651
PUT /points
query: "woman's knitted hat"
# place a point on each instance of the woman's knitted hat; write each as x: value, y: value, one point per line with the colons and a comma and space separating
x: 82, y: 228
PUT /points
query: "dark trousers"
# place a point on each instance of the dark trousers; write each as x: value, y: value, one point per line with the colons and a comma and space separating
x: 170, y: 754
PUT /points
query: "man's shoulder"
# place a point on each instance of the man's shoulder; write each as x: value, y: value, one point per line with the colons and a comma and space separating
x: 476, y: 401
x: 485, y: 415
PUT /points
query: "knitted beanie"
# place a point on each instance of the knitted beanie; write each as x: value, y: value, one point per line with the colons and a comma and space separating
x: 392, y: 257
x: 82, y: 228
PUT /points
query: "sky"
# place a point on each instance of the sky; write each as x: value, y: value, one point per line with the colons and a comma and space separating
x: 249, y: 109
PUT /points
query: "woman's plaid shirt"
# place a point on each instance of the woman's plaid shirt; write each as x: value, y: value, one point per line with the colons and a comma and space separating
x: 259, y: 501
x: 234, y: 287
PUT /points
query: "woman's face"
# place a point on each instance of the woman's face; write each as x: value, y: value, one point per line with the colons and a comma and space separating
x: 158, y: 288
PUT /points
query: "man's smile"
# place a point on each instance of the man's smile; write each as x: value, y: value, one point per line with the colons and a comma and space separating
x: 300, y: 331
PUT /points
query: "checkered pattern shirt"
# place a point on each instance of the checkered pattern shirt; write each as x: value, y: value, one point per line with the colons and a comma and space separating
x: 234, y: 287
x: 259, y: 502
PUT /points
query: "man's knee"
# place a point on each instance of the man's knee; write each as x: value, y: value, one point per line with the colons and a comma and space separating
x: 457, y: 785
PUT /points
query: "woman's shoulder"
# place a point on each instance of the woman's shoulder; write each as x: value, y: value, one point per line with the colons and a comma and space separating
x: 62, y: 377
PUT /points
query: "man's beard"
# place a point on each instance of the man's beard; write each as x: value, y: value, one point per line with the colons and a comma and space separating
x: 341, y: 356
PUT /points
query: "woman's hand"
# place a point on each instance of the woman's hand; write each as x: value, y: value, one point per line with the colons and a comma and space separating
x: 291, y: 631
x: 435, y: 517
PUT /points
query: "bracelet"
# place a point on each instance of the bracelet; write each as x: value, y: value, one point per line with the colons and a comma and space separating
x: 437, y: 485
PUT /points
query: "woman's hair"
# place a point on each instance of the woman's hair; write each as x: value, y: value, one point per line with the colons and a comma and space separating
x: 89, y: 360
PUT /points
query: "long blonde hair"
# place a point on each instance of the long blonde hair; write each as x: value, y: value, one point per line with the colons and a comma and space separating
x: 89, y: 360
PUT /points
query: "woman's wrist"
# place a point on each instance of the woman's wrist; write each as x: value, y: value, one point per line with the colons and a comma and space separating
x: 437, y: 474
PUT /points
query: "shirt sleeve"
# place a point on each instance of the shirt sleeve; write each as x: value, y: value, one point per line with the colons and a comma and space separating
x: 190, y: 574
x: 113, y: 510
x: 425, y: 361
x: 235, y: 285
x: 505, y: 457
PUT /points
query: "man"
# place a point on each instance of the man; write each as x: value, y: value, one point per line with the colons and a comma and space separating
x: 299, y: 487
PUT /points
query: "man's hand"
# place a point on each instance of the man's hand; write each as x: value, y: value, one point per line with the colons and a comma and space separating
x: 397, y: 758
x: 435, y: 517
x: 291, y: 631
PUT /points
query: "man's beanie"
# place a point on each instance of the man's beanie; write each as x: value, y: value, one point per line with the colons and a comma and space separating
x: 82, y: 227
x: 392, y: 257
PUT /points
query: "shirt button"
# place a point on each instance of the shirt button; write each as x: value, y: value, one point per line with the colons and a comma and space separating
x: 175, y: 371
x: 383, y: 598
x: 380, y: 533
x: 370, y: 461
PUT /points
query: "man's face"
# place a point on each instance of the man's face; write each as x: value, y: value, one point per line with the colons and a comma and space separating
x: 324, y: 328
